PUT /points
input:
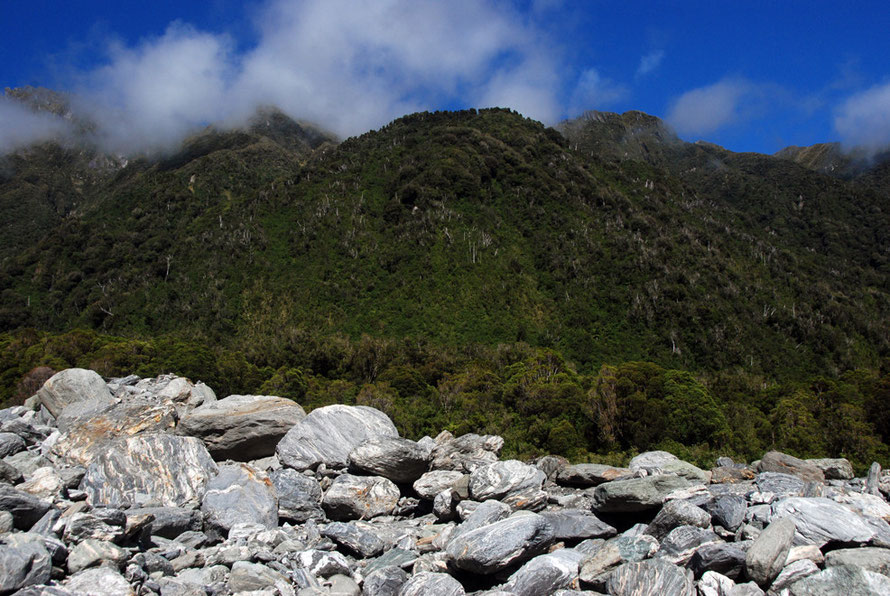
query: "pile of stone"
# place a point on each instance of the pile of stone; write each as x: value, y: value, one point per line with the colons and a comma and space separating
x: 153, y: 486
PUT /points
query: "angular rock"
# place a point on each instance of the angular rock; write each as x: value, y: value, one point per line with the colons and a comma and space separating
x: 44, y: 483
x: 427, y: 584
x: 682, y: 542
x: 242, y: 427
x: 775, y: 461
x: 504, y: 478
x: 714, y: 584
x: 358, y: 540
x: 26, y: 509
x: 432, y: 483
x: 10, y: 444
x: 686, y: 470
x: 843, y: 579
x: 247, y: 577
x: 833, y: 468
x: 240, y: 494
x: 780, y: 484
x: 573, y: 525
x: 820, y: 521
x: 71, y: 386
x: 93, y: 552
x: 792, y: 574
x: 24, y: 561
x: 721, y: 557
x: 400, y: 460
x: 728, y: 511
x: 465, y: 453
x: 486, y: 513
x: 766, y: 556
x: 327, y: 435
x: 677, y: 513
x: 322, y: 563
x: 94, y: 526
x: 150, y: 469
x: 99, y: 581
x: 731, y: 475
x: 587, y: 475
x: 299, y: 496
x: 503, y: 543
x: 169, y: 522
x: 870, y: 558
x: 545, y: 574
x: 654, y: 576
x: 623, y: 549
x: 90, y: 436
x: 636, y: 494
x: 360, y: 497
x: 9, y: 473
x: 386, y: 581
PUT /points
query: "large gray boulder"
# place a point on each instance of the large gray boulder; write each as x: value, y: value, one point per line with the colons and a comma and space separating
x: 150, y: 470
x: 677, y: 513
x: 428, y: 583
x: 623, y: 549
x: 99, y: 581
x: 635, y: 494
x: 505, y: 479
x: 401, y: 460
x: 24, y: 561
x: 82, y: 441
x: 766, y: 556
x: 775, y: 461
x: 10, y: 444
x: 299, y: 496
x: 587, y: 475
x: 833, y: 468
x: 168, y: 522
x: 652, y: 461
x: 360, y: 497
x: 545, y: 574
x: 242, y: 427
x: 71, y: 386
x: 820, y: 521
x: 870, y: 558
x: 357, y: 539
x: 653, y: 576
x: 432, y: 483
x: 26, y: 509
x: 843, y: 579
x: 501, y: 544
x: 466, y: 452
x: 328, y: 435
x: 574, y: 525
x: 240, y: 494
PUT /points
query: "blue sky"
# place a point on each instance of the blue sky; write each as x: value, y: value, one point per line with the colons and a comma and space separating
x: 752, y: 76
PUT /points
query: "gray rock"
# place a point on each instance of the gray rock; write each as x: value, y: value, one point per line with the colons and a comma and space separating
x: 400, y: 460
x: 626, y: 548
x: 486, y: 513
x: 242, y: 427
x: 501, y: 479
x: 686, y: 470
x: 573, y: 525
x: 653, y: 576
x: 820, y: 521
x: 432, y: 584
x: 873, y: 481
x: 728, y: 511
x: 327, y: 435
x: 9, y: 473
x: 682, y: 542
x: 80, y: 442
x: 870, y: 558
x: 394, y: 557
x: 6, y: 522
x: 26, y: 509
x: 587, y: 475
x: 360, y: 497
x: 782, y: 485
x: 93, y: 552
x: 432, y: 483
x: 247, y: 577
x: 240, y: 494
x: 501, y: 544
x: 355, y: 538
x: 386, y: 581
x: 834, y: 468
x: 721, y: 557
x: 748, y: 589
x: 150, y: 469
x: 545, y: 574
x: 44, y: 483
x: 714, y: 584
x: 677, y: 513
x: 651, y: 461
x: 636, y: 494
x: 766, y: 556
x: 843, y: 579
x: 27, y: 462
x: 153, y: 563
x: 322, y: 563
x: 299, y: 496
x: 93, y: 525
x: 775, y: 461
x: 10, y: 444
x: 465, y: 453
x: 24, y: 561
x: 169, y: 522
x: 99, y: 581
x: 342, y: 585
x: 72, y: 386
x: 793, y: 573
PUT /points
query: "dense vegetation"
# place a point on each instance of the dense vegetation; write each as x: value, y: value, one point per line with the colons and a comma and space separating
x: 606, y: 289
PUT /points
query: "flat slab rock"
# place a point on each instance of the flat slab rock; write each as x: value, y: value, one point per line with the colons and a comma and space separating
x: 150, y: 470
x: 242, y: 427
x: 327, y: 436
x: 775, y: 461
x: 587, y: 475
x: 636, y: 494
x: 400, y: 460
x: 820, y: 521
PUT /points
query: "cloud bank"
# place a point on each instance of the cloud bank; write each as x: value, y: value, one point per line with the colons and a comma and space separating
x: 863, y: 120
x: 707, y: 109
x: 20, y: 126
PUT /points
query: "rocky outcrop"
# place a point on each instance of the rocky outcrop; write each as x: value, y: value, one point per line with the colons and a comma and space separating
x: 121, y: 503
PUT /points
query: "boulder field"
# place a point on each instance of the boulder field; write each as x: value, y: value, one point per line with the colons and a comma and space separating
x: 154, y: 486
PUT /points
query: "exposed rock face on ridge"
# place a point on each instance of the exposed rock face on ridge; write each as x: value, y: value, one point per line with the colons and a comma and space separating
x: 127, y: 506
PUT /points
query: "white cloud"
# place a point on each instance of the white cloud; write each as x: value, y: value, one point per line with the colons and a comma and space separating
x: 710, y: 108
x: 863, y: 120
x: 349, y: 66
x: 595, y: 92
x: 650, y: 62
x: 20, y: 126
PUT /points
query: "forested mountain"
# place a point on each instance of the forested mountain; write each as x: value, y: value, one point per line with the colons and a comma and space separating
x: 605, y: 241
